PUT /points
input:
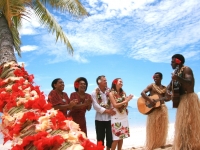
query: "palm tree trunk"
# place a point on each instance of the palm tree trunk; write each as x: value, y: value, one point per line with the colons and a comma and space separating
x: 6, y: 42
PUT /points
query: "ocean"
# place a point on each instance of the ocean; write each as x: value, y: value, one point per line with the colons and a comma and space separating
x: 135, y: 118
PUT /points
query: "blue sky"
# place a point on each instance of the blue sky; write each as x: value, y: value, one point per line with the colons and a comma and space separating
x: 131, y: 39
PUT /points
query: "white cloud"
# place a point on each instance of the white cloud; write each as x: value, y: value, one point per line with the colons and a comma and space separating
x: 146, y: 29
x: 28, y: 48
x: 151, y: 29
x: 31, y: 25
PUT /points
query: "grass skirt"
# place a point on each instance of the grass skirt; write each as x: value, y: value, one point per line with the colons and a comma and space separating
x: 156, y: 128
x: 187, y: 125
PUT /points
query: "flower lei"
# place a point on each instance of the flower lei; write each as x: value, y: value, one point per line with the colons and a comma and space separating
x: 120, y: 98
x: 99, y: 99
x: 29, y: 121
x: 180, y: 72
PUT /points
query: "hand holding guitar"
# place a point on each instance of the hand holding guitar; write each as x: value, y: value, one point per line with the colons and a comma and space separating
x: 174, y: 77
x: 152, y: 103
x: 145, y: 107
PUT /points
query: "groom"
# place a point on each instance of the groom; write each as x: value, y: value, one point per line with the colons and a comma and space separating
x: 103, y: 109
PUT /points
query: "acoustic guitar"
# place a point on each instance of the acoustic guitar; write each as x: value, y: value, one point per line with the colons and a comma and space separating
x: 145, y: 107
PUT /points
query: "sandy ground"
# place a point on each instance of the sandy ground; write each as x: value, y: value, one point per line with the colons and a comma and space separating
x: 136, y: 141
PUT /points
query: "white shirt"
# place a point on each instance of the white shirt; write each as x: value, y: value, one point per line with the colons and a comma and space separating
x: 100, y: 115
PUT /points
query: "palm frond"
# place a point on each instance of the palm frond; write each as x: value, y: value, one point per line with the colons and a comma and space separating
x: 7, y: 12
x: 14, y: 11
x: 48, y: 20
x: 74, y: 7
x: 16, y: 38
x: 2, y: 4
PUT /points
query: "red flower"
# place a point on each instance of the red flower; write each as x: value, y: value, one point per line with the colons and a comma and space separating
x: 76, y: 84
x: 88, y: 145
x: 15, y: 130
x: 58, y: 121
x: 30, y: 78
x: 49, y: 143
x: 115, y: 81
x: 177, y: 61
x: 3, y: 99
x: 28, y: 116
x: 20, y: 72
x: 2, y: 82
x: 28, y: 139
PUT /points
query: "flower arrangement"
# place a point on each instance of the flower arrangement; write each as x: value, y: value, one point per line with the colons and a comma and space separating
x: 29, y: 121
x: 99, y: 99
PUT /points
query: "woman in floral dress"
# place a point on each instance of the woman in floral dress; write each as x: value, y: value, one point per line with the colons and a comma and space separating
x: 119, y: 121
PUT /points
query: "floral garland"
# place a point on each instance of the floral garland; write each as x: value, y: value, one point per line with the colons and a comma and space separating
x: 29, y: 121
x: 99, y: 99
x: 120, y: 98
x: 180, y: 72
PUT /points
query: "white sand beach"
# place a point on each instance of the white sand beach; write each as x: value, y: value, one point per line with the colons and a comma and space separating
x: 136, y: 140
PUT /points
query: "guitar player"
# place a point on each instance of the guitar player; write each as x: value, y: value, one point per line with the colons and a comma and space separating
x: 187, y: 125
x: 157, y: 120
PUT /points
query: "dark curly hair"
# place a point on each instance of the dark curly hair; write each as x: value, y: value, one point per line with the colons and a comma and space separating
x: 54, y: 82
x: 180, y: 57
x: 81, y: 79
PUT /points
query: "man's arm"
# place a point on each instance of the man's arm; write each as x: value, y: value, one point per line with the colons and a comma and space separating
x: 187, y: 80
x: 146, y: 90
x: 100, y: 109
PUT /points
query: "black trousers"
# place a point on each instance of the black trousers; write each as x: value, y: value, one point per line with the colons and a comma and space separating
x: 103, y: 129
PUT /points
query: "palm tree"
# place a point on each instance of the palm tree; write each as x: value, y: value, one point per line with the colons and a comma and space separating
x: 28, y: 120
x: 12, y: 12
